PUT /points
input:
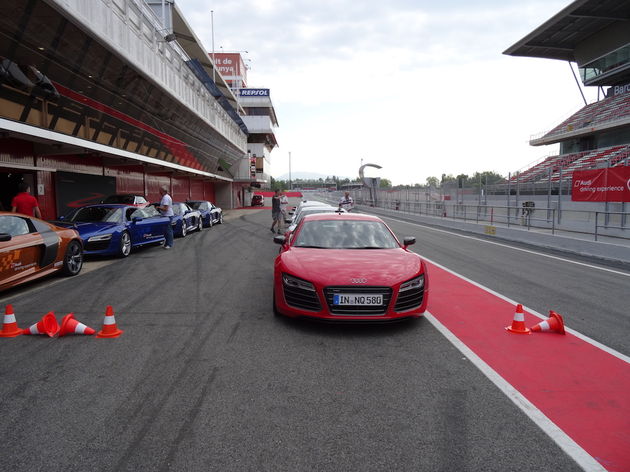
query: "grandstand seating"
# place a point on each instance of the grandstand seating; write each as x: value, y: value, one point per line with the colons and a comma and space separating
x: 539, y: 173
x: 595, y: 114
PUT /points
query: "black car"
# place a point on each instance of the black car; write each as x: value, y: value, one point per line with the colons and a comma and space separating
x: 210, y: 214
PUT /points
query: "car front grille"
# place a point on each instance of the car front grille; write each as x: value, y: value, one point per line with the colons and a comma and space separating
x: 358, y: 310
x: 302, y: 299
x: 409, y: 299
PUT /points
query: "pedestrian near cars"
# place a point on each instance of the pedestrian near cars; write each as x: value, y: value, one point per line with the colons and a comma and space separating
x: 24, y: 202
x: 284, y: 203
x: 166, y: 209
x: 346, y: 202
x: 276, y: 212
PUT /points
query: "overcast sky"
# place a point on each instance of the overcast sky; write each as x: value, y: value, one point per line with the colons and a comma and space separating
x: 419, y: 87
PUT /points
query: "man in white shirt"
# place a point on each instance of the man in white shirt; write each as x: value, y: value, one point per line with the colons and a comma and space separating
x: 284, y: 203
x: 346, y: 202
x: 166, y: 209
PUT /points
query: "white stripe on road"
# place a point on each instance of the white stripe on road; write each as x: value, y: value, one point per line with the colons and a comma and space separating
x: 568, y: 445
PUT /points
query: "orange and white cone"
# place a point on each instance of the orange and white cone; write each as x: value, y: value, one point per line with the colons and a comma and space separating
x: 110, y: 330
x: 9, y: 327
x: 518, y: 324
x: 69, y: 325
x: 47, y: 325
x: 554, y: 323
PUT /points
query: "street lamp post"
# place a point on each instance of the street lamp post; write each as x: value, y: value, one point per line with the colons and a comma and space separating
x: 290, y: 181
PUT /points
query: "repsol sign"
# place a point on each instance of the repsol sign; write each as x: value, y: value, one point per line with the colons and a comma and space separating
x: 254, y: 92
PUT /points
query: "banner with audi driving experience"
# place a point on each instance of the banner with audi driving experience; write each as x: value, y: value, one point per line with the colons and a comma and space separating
x: 601, y: 185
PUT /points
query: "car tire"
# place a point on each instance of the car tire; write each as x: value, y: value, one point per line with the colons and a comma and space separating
x: 73, y: 259
x: 210, y: 222
x: 125, y: 244
x: 184, y: 228
x: 220, y: 219
x: 199, y: 225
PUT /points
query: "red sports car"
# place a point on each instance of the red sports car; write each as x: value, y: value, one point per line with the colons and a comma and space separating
x: 348, y: 267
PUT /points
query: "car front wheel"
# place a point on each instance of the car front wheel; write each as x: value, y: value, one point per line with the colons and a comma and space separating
x: 73, y: 259
x: 199, y: 225
x: 125, y: 244
x: 184, y: 228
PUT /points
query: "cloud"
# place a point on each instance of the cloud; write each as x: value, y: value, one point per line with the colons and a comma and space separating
x: 420, y: 87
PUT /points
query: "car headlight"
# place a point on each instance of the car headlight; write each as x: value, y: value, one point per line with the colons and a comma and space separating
x: 413, y: 284
x: 100, y: 237
x: 294, y: 282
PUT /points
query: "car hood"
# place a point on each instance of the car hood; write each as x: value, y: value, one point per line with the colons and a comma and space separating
x: 87, y: 230
x: 340, y: 266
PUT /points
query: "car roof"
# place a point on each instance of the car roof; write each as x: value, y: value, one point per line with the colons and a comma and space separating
x: 342, y: 216
x: 107, y: 205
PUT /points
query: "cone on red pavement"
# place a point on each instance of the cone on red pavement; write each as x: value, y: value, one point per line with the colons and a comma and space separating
x: 47, y: 325
x: 9, y: 326
x: 518, y: 324
x: 69, y: 325
x: 110, y: 330
x: 554, y: 323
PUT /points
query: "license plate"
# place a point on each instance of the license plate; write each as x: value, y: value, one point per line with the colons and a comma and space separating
x: 357, y: 299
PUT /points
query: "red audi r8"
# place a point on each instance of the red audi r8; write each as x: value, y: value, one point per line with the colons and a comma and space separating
x: 348, y: 267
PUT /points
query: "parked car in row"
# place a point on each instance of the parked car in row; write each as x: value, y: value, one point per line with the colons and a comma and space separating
x: 258, y: 200
x: 210, y: 214
x: 185, y: 220
x: 114, y: 229
x: 31, y: 248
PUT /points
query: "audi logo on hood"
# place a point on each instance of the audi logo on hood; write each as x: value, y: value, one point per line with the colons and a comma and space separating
x: 358, y: 280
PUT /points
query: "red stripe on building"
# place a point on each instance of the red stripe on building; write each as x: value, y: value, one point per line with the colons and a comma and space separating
x: 581, y: 388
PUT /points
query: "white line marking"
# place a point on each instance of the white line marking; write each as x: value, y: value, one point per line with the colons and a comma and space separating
x: 568, y: 445
x: 626, y: 274
x: 577, y: 334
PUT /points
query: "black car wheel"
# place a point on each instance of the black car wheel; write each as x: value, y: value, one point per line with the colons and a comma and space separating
x: 199, y: 225
x: 125, y: 244
x: 184, y: 228
x: 73, y: 259
x: 210, y: 222
x: 220, y: 218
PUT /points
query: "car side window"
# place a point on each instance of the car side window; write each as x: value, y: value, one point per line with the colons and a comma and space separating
x: 14, y: 225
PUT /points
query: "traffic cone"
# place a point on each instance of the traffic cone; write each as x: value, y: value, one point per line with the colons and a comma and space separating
x: 9, y: 327
x: 69, y: 325
x: 554, y: 323
x: 110, y: 330
x: 47, y: 325
x: 518, y: 324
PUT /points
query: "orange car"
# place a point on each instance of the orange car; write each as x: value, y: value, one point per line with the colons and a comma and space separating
x: 32, y: 248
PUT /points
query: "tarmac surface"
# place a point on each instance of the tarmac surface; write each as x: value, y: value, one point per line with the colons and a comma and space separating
x: 205, y: 378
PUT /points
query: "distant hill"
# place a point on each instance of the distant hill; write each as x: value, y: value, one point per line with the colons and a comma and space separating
x: 307, y: 176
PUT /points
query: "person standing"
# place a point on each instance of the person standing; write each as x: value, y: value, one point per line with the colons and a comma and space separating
x: 166, y: 209
x: 284, y: 204
x: 346, y: 202
x: 24, y: 202
x: 276, y: 212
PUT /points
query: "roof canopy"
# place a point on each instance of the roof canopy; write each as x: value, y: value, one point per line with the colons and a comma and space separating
x: 558, y: 37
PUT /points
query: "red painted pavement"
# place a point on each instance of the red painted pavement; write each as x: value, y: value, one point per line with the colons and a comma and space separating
x: 584, y: 390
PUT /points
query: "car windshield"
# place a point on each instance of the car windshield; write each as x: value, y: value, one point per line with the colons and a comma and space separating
x: 195, y: 205
x: 345, y: 234
x: 96, y: 214
x: 146, y: 212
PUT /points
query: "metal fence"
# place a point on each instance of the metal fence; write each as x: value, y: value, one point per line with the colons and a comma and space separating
x: 550, y: 218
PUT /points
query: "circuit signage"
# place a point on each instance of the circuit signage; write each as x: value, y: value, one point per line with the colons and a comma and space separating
x: 601, y: 185
x: 250, y: 92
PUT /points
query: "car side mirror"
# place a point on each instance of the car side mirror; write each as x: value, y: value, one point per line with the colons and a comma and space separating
x: 408, y: 241
x: 279, y: 239
x: 4, y: 237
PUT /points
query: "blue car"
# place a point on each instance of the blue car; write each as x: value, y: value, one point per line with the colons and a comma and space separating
x: 115, y: 229
x: 210, y: 213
